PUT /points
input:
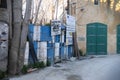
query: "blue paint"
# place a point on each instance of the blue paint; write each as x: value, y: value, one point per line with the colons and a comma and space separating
x: 31, y: 28
x: 62, y: 48
x: 50, y: 52
x: 70, y: 51
x: 30, y: 60
x: 31, y: 35
x: 57, y: 38
x: 35, y: 46
x: 63, y: 27
x: 45, y: 36
x: 45, y: 33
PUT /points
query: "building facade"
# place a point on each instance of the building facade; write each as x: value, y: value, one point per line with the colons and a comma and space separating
x: 97, y: 25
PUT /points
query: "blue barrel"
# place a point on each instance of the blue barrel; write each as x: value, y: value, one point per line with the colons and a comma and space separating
x: 70, y: 51
x: 50, y: 53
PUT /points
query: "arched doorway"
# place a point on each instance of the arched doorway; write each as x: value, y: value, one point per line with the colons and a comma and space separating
x: 118, y: 39
x: 96, y: 39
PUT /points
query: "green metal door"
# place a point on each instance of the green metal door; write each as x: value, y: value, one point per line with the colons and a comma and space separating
x: 91, y: 39
x: 96, y: 39
x: 118, y: 39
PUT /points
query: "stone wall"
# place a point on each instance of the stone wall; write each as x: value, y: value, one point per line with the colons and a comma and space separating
x: 87, y: 12
x: 3, y: 46
x: 5, y: 32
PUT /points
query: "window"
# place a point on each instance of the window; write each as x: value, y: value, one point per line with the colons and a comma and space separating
x: 3, y: 3
x: 96, y: 2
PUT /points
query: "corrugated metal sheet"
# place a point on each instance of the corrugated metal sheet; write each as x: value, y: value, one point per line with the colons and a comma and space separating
x: 31, y: 30
x: 62, y: 51
x: 63, y: 38
x: 57, y: 48
x: 30, y: 60
x: 50, y: 52
x: 46, y: 33
x: 35, y: 46
x: 42, y: 51
x: 70, y: 51
x: 36, y: 35
x: 57, y: 38
x: 66, y: 52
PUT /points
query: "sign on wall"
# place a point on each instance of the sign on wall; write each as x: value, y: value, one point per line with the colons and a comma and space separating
x: 70, y: 21
x: 70, y: 28
x: 55, y: 27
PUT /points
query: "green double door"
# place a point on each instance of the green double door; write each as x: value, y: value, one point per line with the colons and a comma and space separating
x: 96, y: 39
x: 118, y: 39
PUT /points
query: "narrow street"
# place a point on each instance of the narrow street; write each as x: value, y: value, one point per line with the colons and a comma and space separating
x: 98, y: 68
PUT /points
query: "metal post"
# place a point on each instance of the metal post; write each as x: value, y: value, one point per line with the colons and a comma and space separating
x: 53, y: 43
x: 57, y: 8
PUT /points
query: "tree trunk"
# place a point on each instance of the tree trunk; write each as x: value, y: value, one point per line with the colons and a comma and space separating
x: 24, y: 35
x: 17, y: 19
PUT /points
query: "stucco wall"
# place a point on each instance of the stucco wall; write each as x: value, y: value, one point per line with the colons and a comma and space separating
x: 3, y: 46
x: 87, y: 12
x: 5, y: 32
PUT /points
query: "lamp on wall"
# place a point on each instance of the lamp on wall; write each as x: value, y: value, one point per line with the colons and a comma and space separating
x: 96, y: 2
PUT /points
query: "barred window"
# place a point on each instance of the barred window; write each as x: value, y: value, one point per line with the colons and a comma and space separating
x: 3, y: 3
x: 96, y: 2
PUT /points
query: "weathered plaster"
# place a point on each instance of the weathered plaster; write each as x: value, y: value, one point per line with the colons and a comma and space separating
x: 87, y: 12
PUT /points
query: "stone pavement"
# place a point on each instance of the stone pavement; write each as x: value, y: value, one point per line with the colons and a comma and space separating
x: 97, y: 68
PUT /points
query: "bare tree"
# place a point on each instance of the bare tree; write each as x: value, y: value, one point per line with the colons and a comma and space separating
x: 38, y: 8
x: 24, y: 35
x: 17, y: 20
x: 18, y: 42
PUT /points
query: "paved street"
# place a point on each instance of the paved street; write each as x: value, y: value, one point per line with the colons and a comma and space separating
x: 98, y: 68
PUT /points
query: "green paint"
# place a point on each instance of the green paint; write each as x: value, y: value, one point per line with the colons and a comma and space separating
x: 96, y: 39
x: 118, y: 39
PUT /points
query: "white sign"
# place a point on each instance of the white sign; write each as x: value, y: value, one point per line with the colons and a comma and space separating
x: 70, y: 28
x: 55, y: 27
x: 70, y: 21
